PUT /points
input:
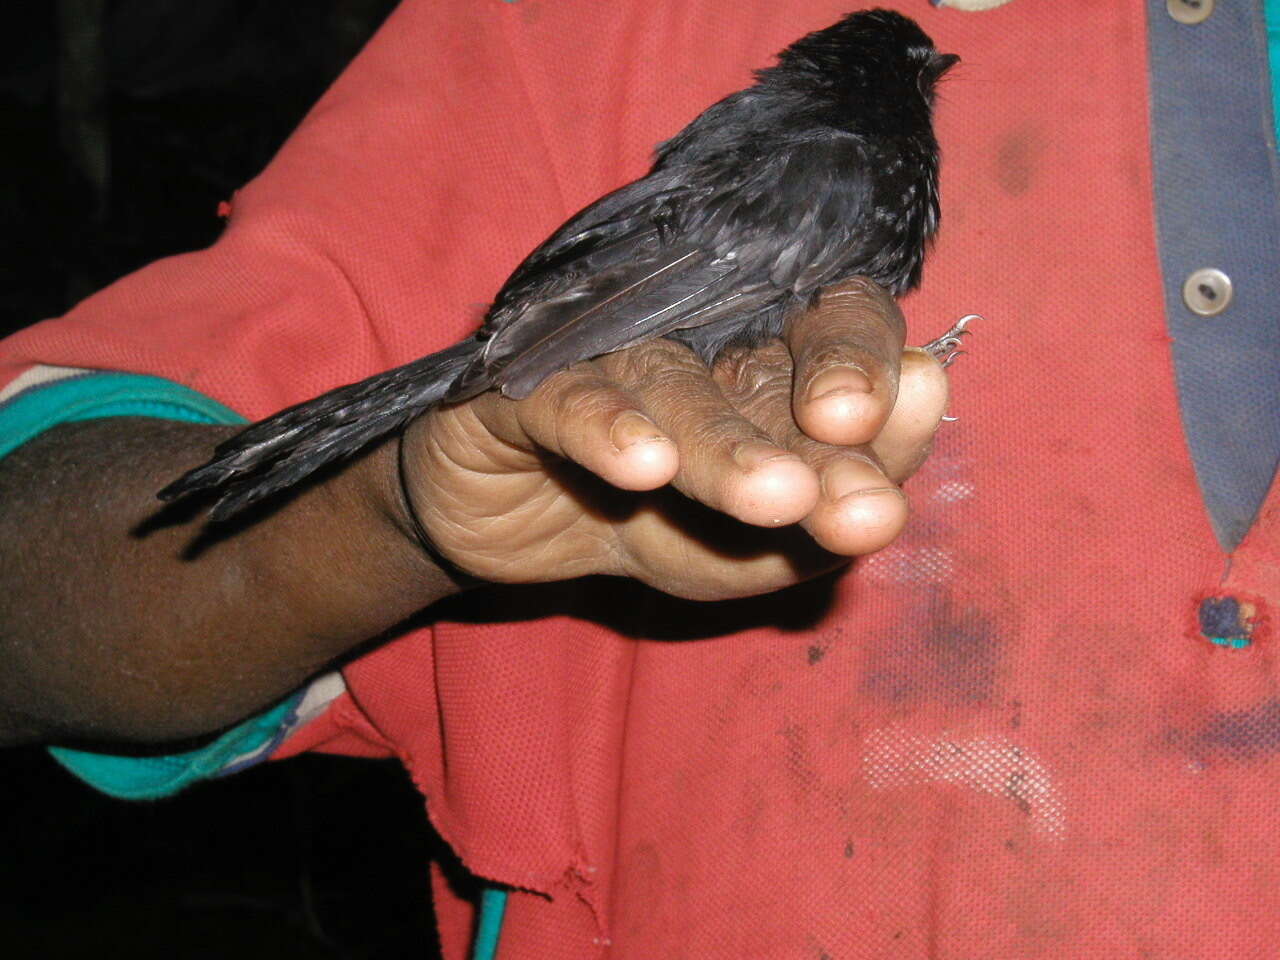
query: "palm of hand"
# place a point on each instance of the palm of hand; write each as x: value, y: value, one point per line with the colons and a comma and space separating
x: 704, y: 484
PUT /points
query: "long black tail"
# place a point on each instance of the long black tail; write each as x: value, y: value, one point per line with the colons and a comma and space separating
x: 276, y: 453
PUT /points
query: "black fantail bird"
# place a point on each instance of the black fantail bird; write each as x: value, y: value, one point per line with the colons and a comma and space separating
x: 825, y: 168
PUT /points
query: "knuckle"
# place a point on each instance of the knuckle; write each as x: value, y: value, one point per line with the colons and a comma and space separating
x: 581, y: 399
x: 715, y: 427
x: 856, y: 306
x: 748, y: 376
x: 858, y: 287
x: 853, y: 293
x: 669, y: 373
x: 678, y: 390
x: 641, y: 362
x: 830, y: 353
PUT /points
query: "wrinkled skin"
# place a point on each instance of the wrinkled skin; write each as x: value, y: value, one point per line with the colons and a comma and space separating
x: 804, y: 441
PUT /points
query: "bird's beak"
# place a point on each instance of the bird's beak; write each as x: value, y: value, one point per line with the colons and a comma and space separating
x: 943, y: 62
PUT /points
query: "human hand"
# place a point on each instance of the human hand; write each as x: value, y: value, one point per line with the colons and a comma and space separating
x: 786, y: 458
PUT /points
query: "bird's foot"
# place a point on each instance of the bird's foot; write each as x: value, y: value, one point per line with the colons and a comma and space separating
x: 946, y: 348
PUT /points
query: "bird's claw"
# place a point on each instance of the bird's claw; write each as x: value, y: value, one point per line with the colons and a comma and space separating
x: 945, y: 348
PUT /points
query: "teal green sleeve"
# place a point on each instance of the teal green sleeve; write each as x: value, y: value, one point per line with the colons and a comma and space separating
x: 150, y: 778
x: 92, y: 396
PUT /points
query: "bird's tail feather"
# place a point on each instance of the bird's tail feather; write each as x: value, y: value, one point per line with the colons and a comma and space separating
x: 282, y: 450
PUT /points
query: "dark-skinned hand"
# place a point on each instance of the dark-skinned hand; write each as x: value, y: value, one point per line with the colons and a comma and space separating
x: 779, y: 464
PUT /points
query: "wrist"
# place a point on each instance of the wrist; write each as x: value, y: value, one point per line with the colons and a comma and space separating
x: 373, y: 535
x: 410, y: 523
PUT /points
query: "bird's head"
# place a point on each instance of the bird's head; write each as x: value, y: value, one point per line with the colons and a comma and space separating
x: 874, y: 72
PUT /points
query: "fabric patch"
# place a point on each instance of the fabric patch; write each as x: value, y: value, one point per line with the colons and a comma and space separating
x: 1227, y: 622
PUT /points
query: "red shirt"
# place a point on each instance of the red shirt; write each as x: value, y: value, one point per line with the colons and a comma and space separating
x: 1005, y: 736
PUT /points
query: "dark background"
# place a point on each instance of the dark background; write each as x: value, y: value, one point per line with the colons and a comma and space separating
x: 125, y: 122
x: 122, y: 125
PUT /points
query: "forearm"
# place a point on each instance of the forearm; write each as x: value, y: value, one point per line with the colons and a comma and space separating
x: 120, y: 622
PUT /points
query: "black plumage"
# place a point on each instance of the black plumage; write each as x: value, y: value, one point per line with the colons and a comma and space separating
x: 825, y: 168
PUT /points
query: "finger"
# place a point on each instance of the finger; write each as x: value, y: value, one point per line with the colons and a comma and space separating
x: 859, y: 509
x: 726, y: 461
x: 904, y: 443
x: 582, y: 416
x: 727, y: 563
x: 846, y: 351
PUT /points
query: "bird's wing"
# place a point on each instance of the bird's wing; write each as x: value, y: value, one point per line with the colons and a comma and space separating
x: 802, y: 217
x: 804, y: 220
x: 661, y: 256
x: 614, y: 275
x: 602, y: 234
x: 660, y: 289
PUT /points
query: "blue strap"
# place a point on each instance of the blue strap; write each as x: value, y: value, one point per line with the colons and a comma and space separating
x: 493, y: 907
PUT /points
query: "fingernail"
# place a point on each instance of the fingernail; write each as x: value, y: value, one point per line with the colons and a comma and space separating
x: 852, y: 476
x: 631, y: 428
x: 753, y: 453
x: 893, y: 492
x: 834, y: 381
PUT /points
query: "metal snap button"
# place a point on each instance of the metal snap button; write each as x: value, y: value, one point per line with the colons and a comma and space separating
x: 1207, y: 291
x: 1189, y: 11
